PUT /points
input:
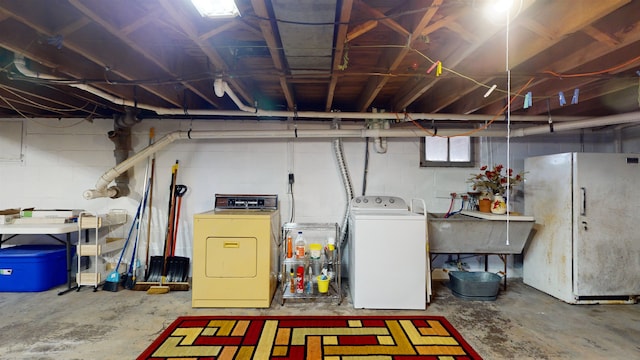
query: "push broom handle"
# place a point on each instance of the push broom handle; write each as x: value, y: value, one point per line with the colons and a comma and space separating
x: 180, y: 191
x: 145, y: 193
x: 168, y: 238
x: 153, y: 170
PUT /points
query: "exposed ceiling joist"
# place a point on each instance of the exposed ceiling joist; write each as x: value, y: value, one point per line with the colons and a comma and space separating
x: 318, y: 55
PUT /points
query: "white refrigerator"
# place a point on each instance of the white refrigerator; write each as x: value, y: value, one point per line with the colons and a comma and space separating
x: 586, y: 243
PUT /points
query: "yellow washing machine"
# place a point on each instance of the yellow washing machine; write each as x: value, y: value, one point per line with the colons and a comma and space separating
x: 235, y: 256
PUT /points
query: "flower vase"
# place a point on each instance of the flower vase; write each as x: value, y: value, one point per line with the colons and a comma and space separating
x: 484, y: 205
x: 498, y: 205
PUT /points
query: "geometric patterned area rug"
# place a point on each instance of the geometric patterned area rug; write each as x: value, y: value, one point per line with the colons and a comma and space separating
x: 310, y: 337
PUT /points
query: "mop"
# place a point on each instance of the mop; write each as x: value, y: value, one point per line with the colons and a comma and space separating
x: 112, y: 281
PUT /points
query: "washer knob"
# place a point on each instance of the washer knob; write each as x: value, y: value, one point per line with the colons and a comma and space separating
x: 365, y: 200
x: 378, y: 200
x: 392, y: 200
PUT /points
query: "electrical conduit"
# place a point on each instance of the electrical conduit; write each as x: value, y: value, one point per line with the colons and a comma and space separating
x: 346, y: 182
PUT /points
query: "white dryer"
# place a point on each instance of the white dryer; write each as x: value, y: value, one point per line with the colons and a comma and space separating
x: 388, y: 261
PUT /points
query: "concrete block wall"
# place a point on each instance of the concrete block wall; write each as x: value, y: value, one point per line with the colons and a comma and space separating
x: 63, y: 158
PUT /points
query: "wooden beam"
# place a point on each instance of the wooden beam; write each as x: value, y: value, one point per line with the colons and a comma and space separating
x: 567, y: 18
x: 44, y: 99
x: 404, y: 99
x: 270, y: 34
x: 392, y: 58
x: 601, y: 36
x: 384, y: 19
x: 585, y: 55
x: 73, y: 27
x: 140, y: 22
x: 25, y: 107
x: 536, y: 28
x: 341, y: 40
x: 445, y: 21
x: 361, y: 30
x: 460, y: 30
x: 218, y: 30
x: 126, y: 74
x: 190, y: 30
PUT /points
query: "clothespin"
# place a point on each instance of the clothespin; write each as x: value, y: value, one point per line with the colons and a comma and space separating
x: 574, y: 99
x: 439, y: 69
x: 433, y: 67
x: 490, y: 90
x: 563, y: 102
x: 528, y: 100
x: 550, y: 121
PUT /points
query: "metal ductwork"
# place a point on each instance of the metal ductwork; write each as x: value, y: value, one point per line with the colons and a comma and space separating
x: 121, y: 137
x: 122, y: 140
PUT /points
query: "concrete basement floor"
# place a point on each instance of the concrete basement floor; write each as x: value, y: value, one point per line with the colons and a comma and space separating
x: 523, y: 323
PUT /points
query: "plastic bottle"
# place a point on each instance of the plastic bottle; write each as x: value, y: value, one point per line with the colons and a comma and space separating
x: 292, y: 284
x: 309, y: 288
x: 289, y: 247
x: 300, y: 280
x: 301, y: 246
x: 330, y: 249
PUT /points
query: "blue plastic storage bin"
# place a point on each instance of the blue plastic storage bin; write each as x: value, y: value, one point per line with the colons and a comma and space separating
x: 29, y: 268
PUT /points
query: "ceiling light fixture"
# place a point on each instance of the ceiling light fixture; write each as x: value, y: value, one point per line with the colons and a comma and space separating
x: 216, y: 8
x: 496, y: 8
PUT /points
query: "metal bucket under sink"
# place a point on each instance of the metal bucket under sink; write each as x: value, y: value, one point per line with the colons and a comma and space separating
x: 474, y: 285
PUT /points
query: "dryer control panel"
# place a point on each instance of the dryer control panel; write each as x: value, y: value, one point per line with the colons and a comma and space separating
x: 246, y: 201
x: 373, y: 202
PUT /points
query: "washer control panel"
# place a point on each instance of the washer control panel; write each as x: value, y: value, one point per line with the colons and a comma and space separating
x: 372, y: 202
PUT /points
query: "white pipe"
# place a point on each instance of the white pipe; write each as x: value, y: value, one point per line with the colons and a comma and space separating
x: 101, y: 186
x: 221, y: 87
x: 106, y: 178
x: 579, y: 124
x: 21, y: 66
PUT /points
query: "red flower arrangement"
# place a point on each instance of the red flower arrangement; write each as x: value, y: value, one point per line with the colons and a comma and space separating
x: 493, y: 181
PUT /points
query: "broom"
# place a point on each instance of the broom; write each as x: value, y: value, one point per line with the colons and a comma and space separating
x: 161, y: 288
x: 131, y: 276
x: 112, y: 281
x: 149, y: 217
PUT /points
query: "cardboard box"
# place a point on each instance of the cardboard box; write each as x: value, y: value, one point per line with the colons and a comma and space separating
x: 30, y: 268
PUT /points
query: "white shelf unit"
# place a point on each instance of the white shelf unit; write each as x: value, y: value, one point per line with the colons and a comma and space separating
x: 100, y: 237
x: 317, y: 233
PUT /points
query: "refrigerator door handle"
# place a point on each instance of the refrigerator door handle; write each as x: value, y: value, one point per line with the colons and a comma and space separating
x: 583, y: 202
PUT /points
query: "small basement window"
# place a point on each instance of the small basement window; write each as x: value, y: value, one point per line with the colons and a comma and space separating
x: 454, y: 151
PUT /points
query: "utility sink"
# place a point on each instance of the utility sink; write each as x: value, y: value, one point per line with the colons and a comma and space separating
x: 472, y: 232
